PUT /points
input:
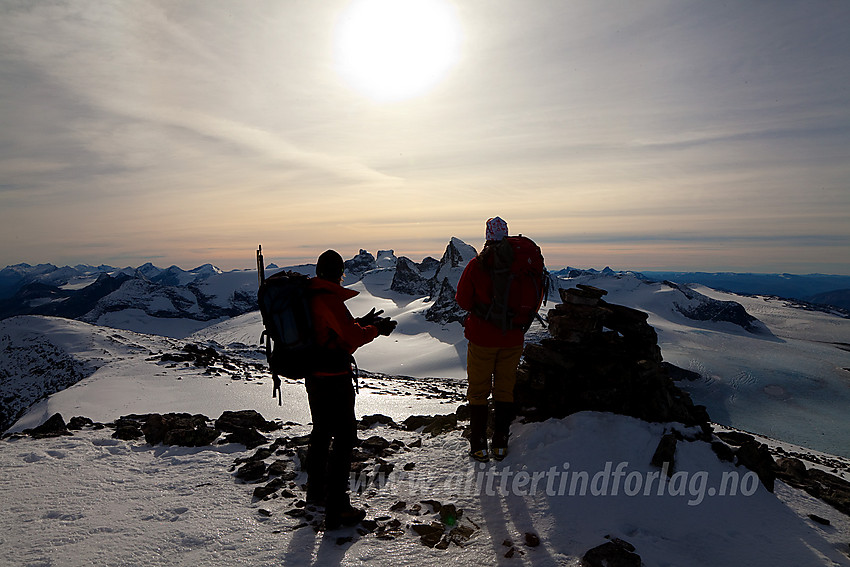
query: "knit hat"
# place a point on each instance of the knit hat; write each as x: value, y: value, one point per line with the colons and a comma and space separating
x: 497, y: 229
x: 330, y: 266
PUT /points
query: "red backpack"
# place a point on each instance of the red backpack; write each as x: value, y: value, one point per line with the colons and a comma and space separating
x: 520, y: 282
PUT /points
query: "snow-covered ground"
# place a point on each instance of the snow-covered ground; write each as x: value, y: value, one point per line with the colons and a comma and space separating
x: 93, y: 500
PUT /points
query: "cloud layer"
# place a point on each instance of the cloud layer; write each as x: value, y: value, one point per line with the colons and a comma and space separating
x: 660, y: 134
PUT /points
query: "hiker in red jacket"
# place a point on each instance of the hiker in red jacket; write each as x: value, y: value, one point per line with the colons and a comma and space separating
x: 492, y: 356
x: 330, y: 390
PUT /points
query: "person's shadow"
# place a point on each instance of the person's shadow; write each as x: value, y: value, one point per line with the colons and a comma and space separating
x: 308, y: 547
x: 500, y: 512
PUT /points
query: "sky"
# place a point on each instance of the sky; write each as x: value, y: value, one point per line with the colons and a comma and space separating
x: 681, y: 135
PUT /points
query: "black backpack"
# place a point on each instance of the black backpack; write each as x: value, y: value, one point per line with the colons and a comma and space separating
x: 284, y: 300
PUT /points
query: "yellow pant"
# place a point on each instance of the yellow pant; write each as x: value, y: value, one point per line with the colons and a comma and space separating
x: 491, y: 370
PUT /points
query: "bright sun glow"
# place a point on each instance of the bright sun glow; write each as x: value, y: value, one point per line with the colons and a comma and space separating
x: 396, y: 49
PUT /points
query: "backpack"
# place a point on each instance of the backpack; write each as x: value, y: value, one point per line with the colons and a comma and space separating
x: 520, y: 282
x: 284, y: 300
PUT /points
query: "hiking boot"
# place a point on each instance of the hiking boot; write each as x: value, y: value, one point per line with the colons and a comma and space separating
x: 480, y: 455
x: 503, y: 415
x: 316, y: 491
x: 339, y: 512
x: 478, y: 433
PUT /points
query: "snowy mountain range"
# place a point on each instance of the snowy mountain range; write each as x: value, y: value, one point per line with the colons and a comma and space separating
x: 163, y: 341
x: 776, y: 354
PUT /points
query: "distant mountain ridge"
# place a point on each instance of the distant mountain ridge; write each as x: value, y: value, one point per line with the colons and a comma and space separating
x: 815, y: 288
x: 139, y: 298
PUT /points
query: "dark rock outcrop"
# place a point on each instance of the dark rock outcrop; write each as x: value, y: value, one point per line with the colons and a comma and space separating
x: 53, y: 427
x: 445, y: 309
x: 408, y: 279
x: 358, y: 265
x: 615, y: 553
x: 601, y: 357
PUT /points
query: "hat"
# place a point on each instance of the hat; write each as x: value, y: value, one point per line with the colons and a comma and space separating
x: 497, y: 229
x: 330, y: 266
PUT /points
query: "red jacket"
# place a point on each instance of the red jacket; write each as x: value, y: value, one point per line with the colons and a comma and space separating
x: 333, y: 323
x: 474, y: 287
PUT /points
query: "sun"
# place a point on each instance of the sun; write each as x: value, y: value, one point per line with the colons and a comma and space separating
x: 393, y: 50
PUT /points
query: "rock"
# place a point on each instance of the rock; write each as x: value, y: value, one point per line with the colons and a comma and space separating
x: 178, y: 429
x: 358, y: 265
x: 368, y: 421
x: 600, y: 357
x: 433, y: 424
x: 611, y: 554
x: 53, y: 427
x: 445, y: 309
x: 435, y: 505
x: 449, y: 514
x: 408, y: 279
x: 792, y: 469
x: 128, y: 433
x: 665, y: 453
x: 278, y: 468
x: 197, y: 437
x: 817, y: 519
x: 247, y: 436
x: 375, y: 444
x: 79, y: 422
x: 262, y: 492
x: 231, y: 421
x: 756, y: 457
x: 430, y: 534
x: 723, y: 451
x: 251, y: 471
x: 735, y: 438
x: 531, y: 539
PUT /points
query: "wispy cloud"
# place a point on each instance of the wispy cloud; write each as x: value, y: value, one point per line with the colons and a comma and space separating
x: 718, y: 126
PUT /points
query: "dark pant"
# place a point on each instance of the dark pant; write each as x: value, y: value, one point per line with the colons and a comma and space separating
x: 332, y: 408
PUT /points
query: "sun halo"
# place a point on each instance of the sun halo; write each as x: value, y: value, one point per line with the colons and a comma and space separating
x: 391, y: 50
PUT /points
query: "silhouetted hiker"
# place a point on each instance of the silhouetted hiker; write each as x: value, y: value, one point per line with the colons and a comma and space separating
x: 330, y: 390
x: 502, y: 289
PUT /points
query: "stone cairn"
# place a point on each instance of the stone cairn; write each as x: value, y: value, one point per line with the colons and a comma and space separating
x: 601, y: 357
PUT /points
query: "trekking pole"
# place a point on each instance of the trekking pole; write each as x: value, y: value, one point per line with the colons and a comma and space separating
x: 261, y: 277
x: 261, y: 271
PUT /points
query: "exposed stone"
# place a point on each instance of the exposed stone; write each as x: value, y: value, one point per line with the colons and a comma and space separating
x: 665, y: 453
x: 79, y: 422
x: 159, y: 428
x: 128, y: 433
x: 251, y: 471
x: 408, y: 279
x: 445, y: 309
x: 231, y: 421
x: 247, y: 436
x: 197, y: 437
x: 375, y: 444
x: 611, y: 554
x: 268, y: 489
x: 368, y: 421
x: 433, y: 424
x: 756, y: 457
x: 600, y: 357
x: 53, y: 427
x: 723, y: 451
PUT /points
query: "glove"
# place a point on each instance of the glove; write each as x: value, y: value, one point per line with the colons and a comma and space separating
x: 369, y: 318
x: 385, y: 326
